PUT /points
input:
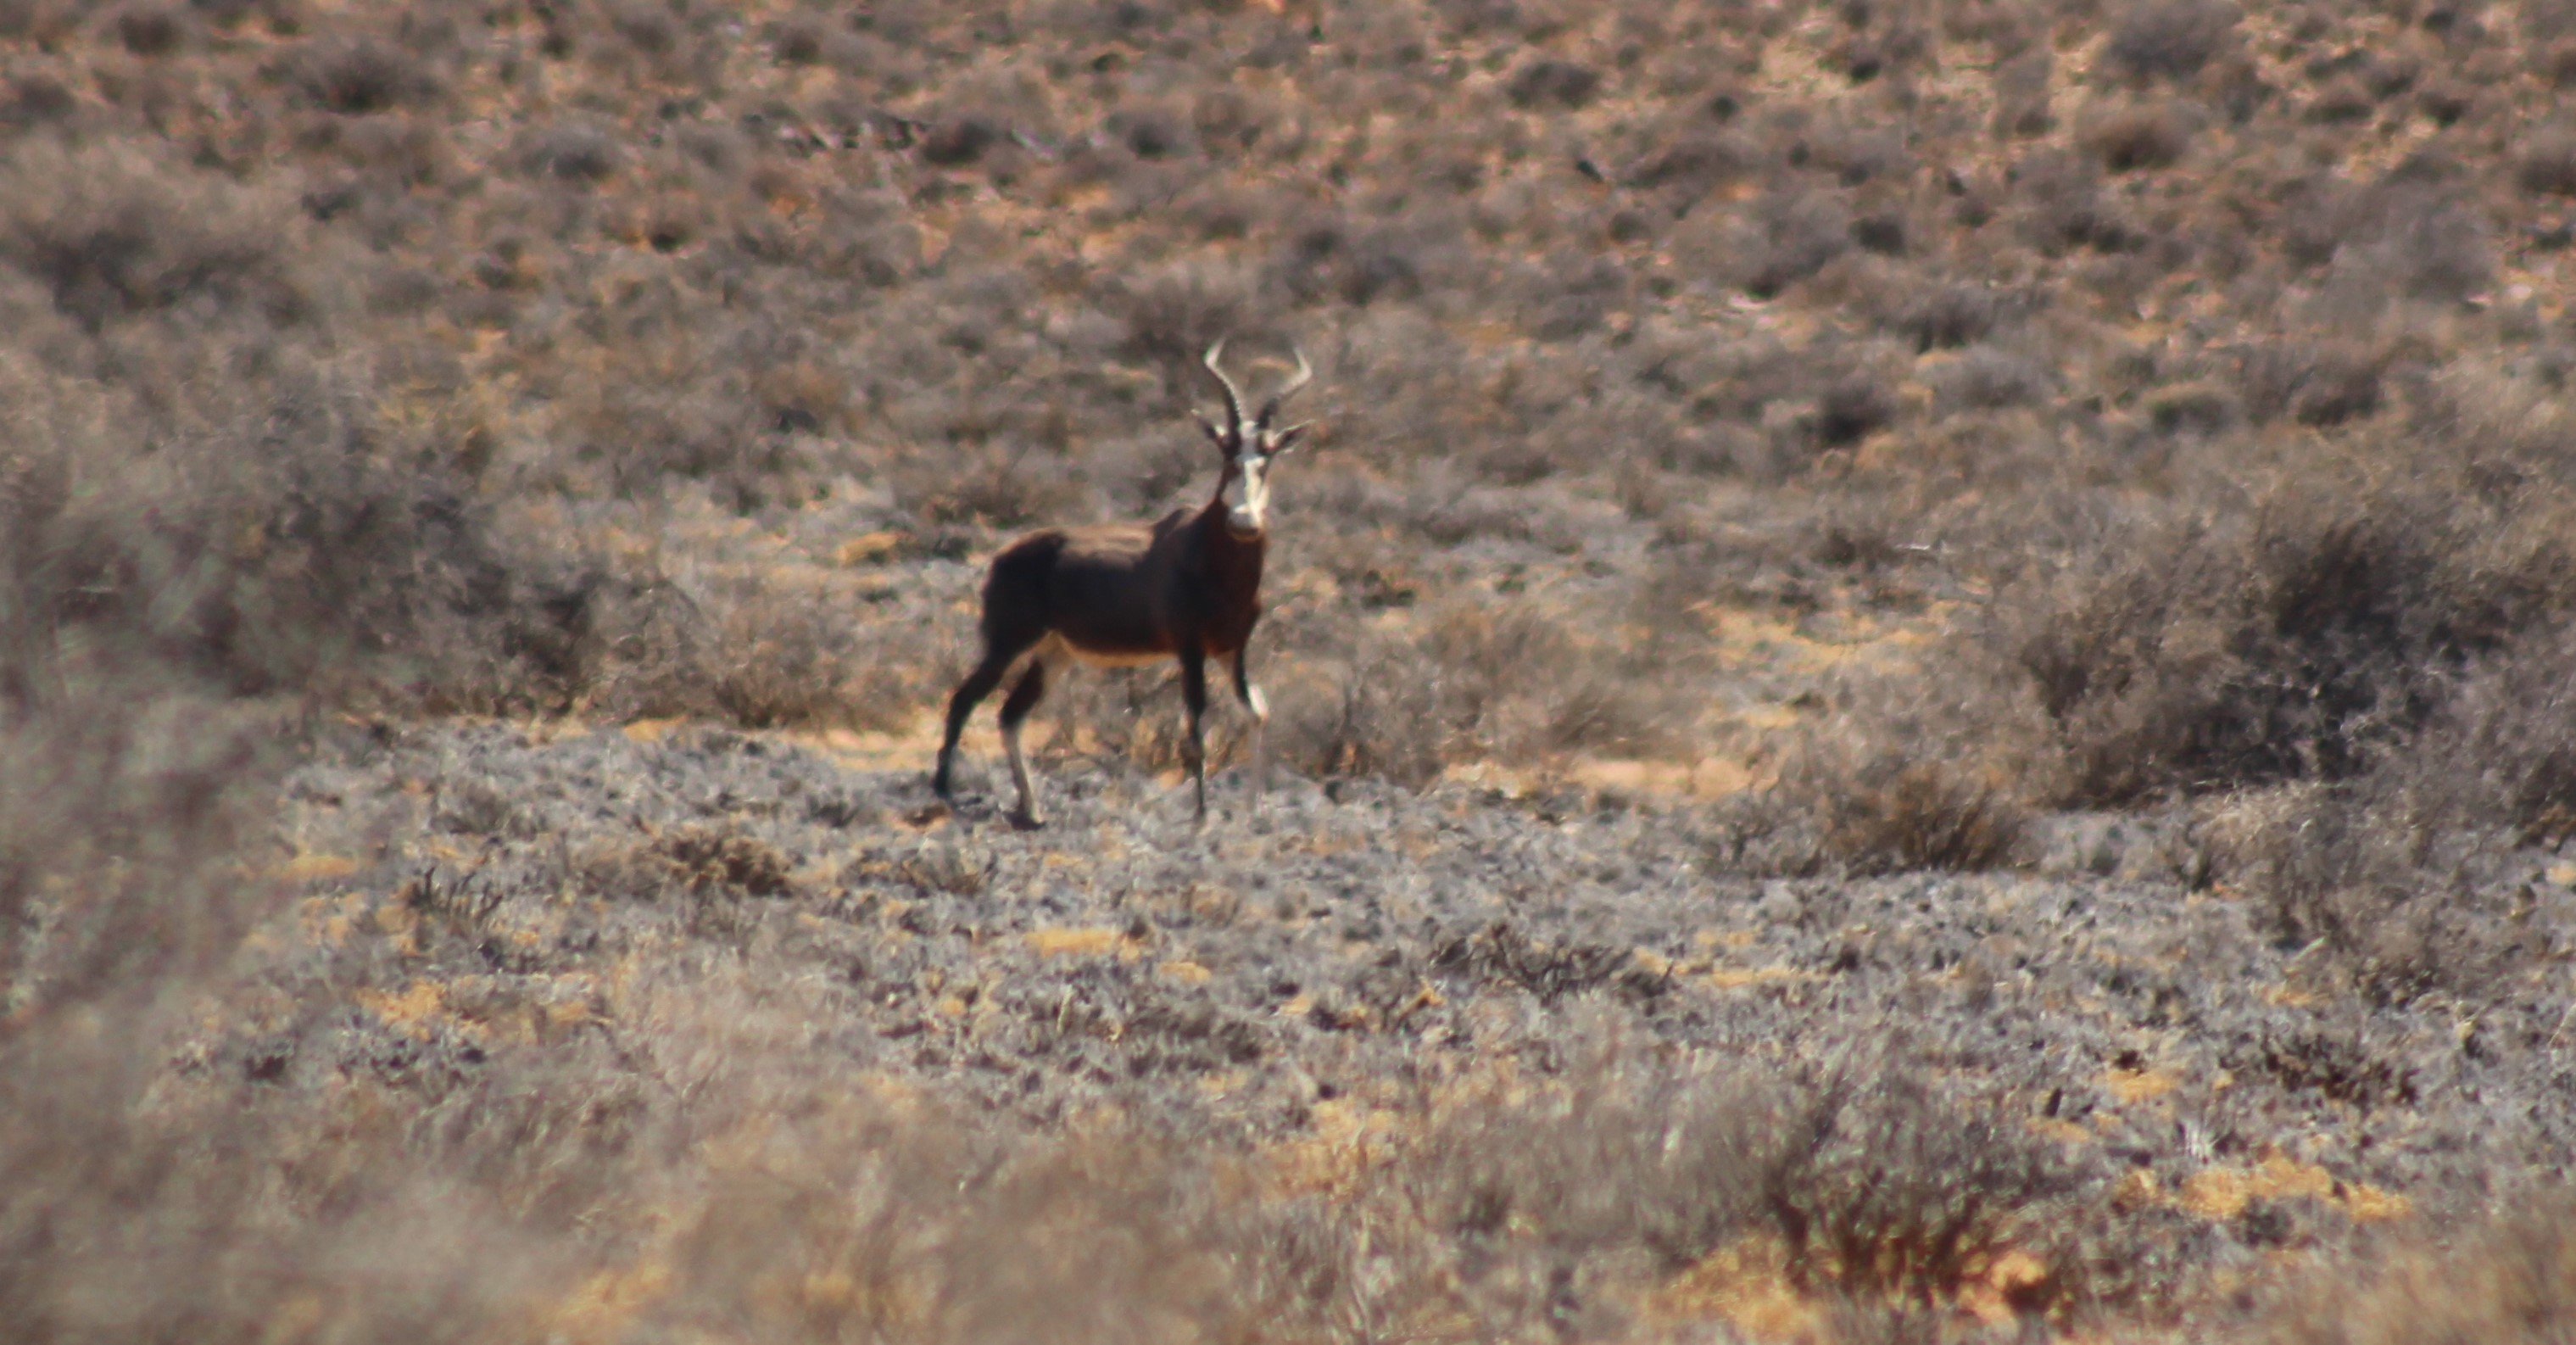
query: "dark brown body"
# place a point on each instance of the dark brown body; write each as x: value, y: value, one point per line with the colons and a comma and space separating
x: 1186, y: 587
x: 1129, y: 591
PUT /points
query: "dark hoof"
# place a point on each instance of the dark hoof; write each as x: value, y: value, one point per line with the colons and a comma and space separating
x: 1021, y: 821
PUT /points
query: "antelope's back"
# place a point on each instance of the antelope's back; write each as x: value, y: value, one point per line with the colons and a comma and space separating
x: 1099, y: 587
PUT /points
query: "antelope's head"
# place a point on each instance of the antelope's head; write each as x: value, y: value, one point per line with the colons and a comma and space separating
x: 1249, y: 446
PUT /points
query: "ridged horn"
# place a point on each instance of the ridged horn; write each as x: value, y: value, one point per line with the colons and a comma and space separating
x: 1233, y: 395
x: 1305, y: 374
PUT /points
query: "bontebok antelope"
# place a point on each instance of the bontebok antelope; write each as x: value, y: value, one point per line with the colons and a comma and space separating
x: 1186, y: 587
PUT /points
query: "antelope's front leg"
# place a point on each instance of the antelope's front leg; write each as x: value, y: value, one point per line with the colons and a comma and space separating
x: 1194, y: 696
x: 1259, y: 706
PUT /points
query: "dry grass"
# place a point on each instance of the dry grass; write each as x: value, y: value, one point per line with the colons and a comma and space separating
x: 2510, y: 1278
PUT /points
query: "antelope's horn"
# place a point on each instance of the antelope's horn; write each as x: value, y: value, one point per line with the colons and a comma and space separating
x: 1233, y: 395
x: 1305, y: 374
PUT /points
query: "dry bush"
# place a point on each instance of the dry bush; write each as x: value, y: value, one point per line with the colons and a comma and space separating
x: 1522, y: 685
x: 696, y: 1183
x: 1547, y: 82
x: 151, y: 29
x: 1502, y: 1214
x: 132, y: 1217
x: 1373, y: 712
x: 576, y: 152
x: 115, y: 819
x: 2510, y: 408
x: 762, y: 650
x: 1474, y: 681
x: 42, y: 20
x: 115, y: 232
x: 2295, y: 639
x: 2414, y: 233
x: 2503, y: 751
x: 1878, y: 1185
x: 2368, y: 876
x: 1948, y: 316
x: 1885, y: 815
x: 359, y: 75
x: 1908, y: 1190
x: 301, y: 541
x: 2547, y: 164
x: 2322, y: 386
x: 798, y: 39
x: 1985, y: 378
x: 2131, y: 136
x: 2062, y: 206
x: 992, y: 485
x: 2511, y: 1278
x: 778, y: 658
x: 1792, y: 236
x: 1908, y: 803
x: 703, y: 859
x: 2021, y: 94
x: 670, y: 408
x: 1632, y: 1164
x: 2398, y: 874
x: 2170, y: 39
x: 1854, y: 407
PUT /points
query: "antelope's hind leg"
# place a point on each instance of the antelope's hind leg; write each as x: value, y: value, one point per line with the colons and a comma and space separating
x: 1004, y: 647
x: 962, y: 703
x: 1259, y: 706
x: 1015, y: 709
x: 1194, y: 698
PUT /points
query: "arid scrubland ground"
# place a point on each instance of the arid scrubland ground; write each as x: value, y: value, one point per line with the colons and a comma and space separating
x: 1925, y: 656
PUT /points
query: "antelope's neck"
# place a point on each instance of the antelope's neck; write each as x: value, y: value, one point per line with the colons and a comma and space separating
x: 1233, y: 559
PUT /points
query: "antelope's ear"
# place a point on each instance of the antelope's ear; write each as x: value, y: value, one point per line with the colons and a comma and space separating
x: 1215, y: 435
x: 1287, y: 439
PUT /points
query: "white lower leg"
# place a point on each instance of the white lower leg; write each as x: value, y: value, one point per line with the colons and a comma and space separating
x: 1020, y: 772
x: 1198, y: 767
x: 1260, y: 707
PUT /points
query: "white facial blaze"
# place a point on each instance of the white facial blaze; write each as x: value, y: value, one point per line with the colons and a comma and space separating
x: 1247, y: 493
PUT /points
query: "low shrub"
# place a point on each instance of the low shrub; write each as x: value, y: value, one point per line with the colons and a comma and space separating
x: 304, y: 543
x: 1547, y: 82
x: 1837, y: 808
x: 2297, y: 638
x: 2170, y: 39
x: 2508, y: 1277
x: 2134, y: 136
x: 1898, y: 1191
x: 114, y: 233
x: 2547, y: 164
x: 360, y: 75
